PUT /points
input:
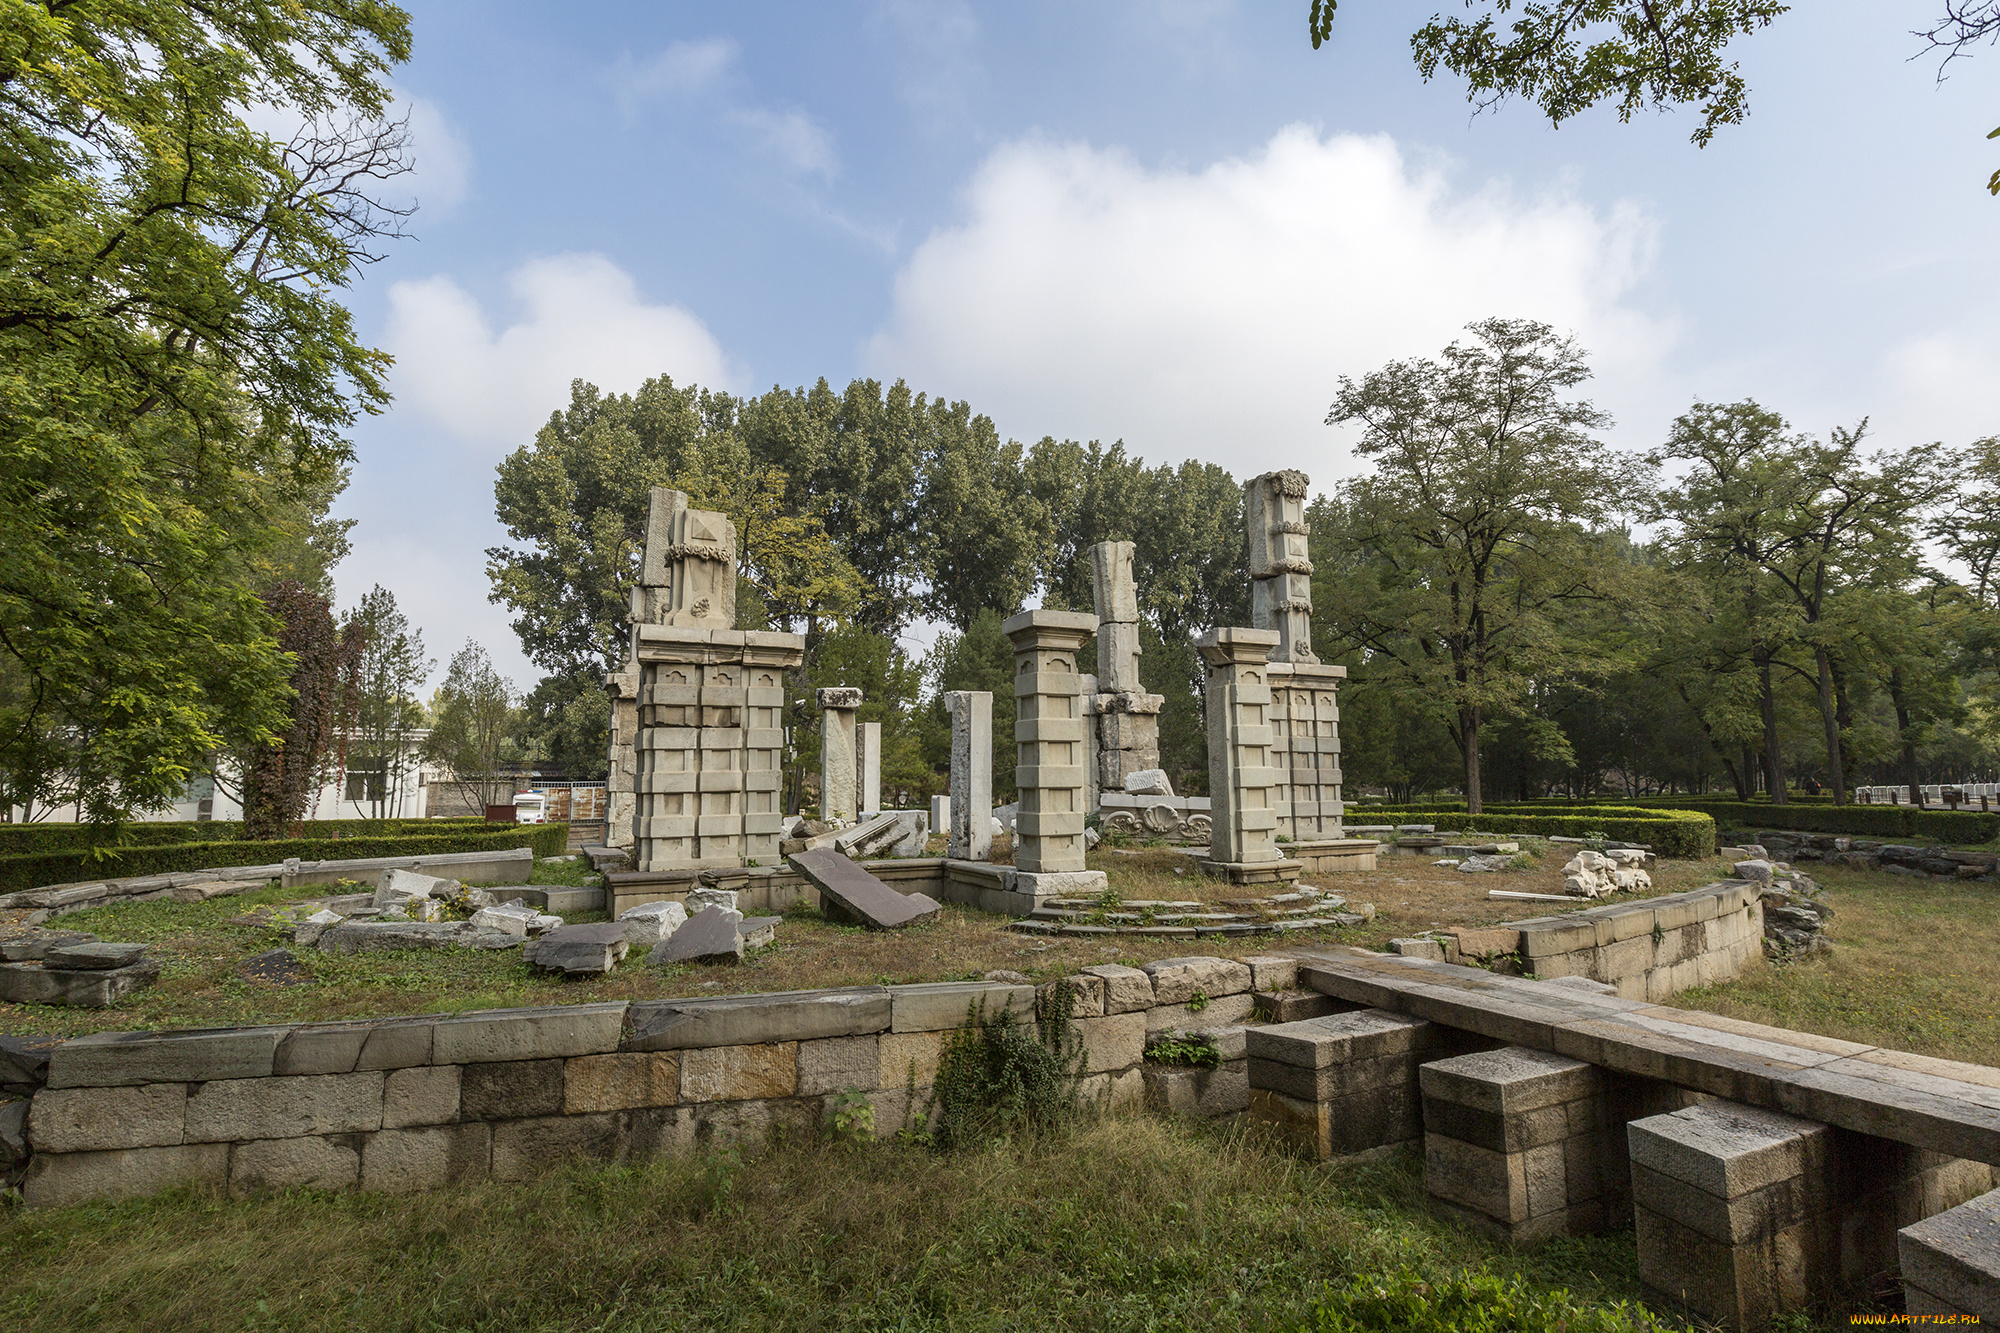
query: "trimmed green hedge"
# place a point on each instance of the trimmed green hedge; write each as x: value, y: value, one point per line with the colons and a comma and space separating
x: 35, y: 869
x: 1965, y: 827
x: 1684, y: 834
x: 20, y: 839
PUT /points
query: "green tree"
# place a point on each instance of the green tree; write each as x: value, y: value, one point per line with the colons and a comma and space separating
x: 170, y: 349
x: 475, y: 724
x: 979, y: 658
x: 280, y: 778
x: 386, y: 710
x: 1459, y: 561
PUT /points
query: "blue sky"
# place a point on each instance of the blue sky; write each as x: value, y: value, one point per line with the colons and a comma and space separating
x: 1171, y: 223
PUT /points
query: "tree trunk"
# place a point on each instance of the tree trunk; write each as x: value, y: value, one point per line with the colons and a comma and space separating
x: 1468, y: 726
x: 1830, y: 717
x: 1909, y: 765
x: 1767, y: 707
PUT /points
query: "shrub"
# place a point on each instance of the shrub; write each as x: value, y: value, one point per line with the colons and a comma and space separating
x: 998, y: 1077
x: 1406, y: 1301
x: 1874, y: 821
x: 1685, y: 834
x: 35, y: 869
x: 1184, y: 1048
x: 19, y: 839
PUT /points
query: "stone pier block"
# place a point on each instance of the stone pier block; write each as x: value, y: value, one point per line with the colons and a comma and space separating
x: 1344, y: 1083
x: 1951, y: 1262
x: 1050, y: 739
x: 1515, y: 1143
x: 1734, y: 1210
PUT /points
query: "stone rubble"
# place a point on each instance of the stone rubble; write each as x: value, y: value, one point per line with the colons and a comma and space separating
x: 649, y: 923
x: 1591, y: 874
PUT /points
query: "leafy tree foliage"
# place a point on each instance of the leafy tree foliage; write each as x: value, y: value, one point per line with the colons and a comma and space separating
x: 280, y: 778
x: 174, y: 367
x: 475, y: 725
x: 387, y: 710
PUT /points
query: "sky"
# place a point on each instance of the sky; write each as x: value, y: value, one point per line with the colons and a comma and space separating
x: 1173, y: 224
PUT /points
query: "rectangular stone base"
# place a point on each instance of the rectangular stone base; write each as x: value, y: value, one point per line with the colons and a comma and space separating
x: 1951, y: 1262
x: 82, y: 988
x: 1058, y: 884
x: 1253, y: 872
x: 1326, y: 855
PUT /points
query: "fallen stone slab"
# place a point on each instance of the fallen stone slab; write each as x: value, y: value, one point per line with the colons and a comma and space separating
x: 33, y: 944
x: 212, y: 888
x: 95, y: 954
x: 399, y: 886
x: 853, y: 893
x: 506, y: 917
x: 306, y: 934
x: 352, y: 937
x: 757, y: 932
x: 83, y: 988
x: 590, y: 950
x: 712, y: 935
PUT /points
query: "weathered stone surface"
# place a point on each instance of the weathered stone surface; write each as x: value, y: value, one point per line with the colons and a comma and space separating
x: 909, y: 1058
x: 513, y: 1090
x: 1222, y: 1010
x: 528, y: 1034
x: 711, y: 935
x: 1197, y: 1093
x: 706, y: 896
x: 971, y: 774
x: 620, y: 1081
x: 525, y: 1149
x: 427, y: 1095
x: 847, y: 891
x: 746, y: 1020
x: 1178, y: 980
x: 33, y: 945
x: 649, y: 923
x: 1117, y: 1042
x: 95, y: 1119
x: 81, y: 988
x: 352, y: 937
x: 397, y: 1044
x: 400, y: 1161
x: 1508, y: 1082
x: 55, y: 1180
x: 309, y: 1163
x: 225, y: 1110
x: 758, y: 932
x: 1950, y: 1263
x: 590, y: 950
x: 1725, y: 1149
x: 1125, y: 988
x: 1112, y: 1091
x: 938, y: 1006
x: 508, y: 918
x: 739, y: 1073
x: 398, y: 887
x: 838, y: 1063
x: 93, y: 955
x: 111, y: 1059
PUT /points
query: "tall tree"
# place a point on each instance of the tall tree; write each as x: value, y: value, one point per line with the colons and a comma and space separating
x: 281, y: 777
x: 387, y: 711
x: 1478, y: 529
x: 475, y: 721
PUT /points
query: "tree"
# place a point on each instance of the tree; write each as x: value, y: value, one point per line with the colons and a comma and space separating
x: 170, y: 342
x: 1569, y: 56
x: 474, y: 721
x: 386, y: 710
x: 280, y: 778
x: 1458, y: 560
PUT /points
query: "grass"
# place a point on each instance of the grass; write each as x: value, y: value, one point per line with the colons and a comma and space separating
x: 1915, y: 967
x: 1118, y: 1224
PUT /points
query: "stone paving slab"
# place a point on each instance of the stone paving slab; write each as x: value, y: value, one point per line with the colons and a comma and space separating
x: 858, y: 894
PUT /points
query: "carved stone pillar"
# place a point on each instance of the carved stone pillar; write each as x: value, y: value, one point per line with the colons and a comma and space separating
x: 838, y: 758
x: 1050, y: 744
x: 971, y: 774
x: 1242, y: 784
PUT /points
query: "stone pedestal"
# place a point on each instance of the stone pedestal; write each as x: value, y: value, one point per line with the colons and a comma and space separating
x: 1242, y: 784
x: 711, y: 742
x: 1049, y: 741
x: 1951, y: 1263
x: 1517, y: 1145
x: 868, y: 738
x: 1344, y: 1083
x: 839, y: 758
x: 1734, y: 1211
x: 971, y: 774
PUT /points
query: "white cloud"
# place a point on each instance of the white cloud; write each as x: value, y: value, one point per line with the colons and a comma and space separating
x: 443, y: 160
x: 681, y: 69
x: 794, y: 138
x: 581, y: 317
x: 940, y: 68
x: 1210, y: 312
x: 1942, y: 388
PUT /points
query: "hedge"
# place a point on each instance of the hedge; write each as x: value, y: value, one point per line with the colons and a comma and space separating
x: 34, y: 870
x: 1684, y: 834
x: 19, y: 839
x: 1959, y: 827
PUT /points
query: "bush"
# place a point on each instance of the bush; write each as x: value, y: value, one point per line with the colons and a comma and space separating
x: 1405, y: 1301
x: 1682, y: 834
x: 36, y: 869
x: 19, y: 839
x: 998, y: 1077
x: 1874, y: 821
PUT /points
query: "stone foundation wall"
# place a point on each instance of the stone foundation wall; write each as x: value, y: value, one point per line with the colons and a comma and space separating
x: 419, y: 1103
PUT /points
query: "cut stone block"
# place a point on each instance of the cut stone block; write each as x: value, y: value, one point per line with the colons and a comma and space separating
x: 711, y: 935
x: 856, y: 895
x: 1178, y: 980
x: 1950, y: 1263
x: 750, y: 1020
x: 1197, y: 1093
x: 707, y: 895
x: 93, y: 955
x: 590, y: 950
x: 401, y: 886
x: 1734, y: 1209
x: 1344, y: 1083
x: 509, y: 918
x: 649, y: 923
x: 758, y: 932
x: 81, y: 988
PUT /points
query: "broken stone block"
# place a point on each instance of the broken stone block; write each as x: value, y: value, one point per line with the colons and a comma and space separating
x: 93, y: 955
x: 711, y: 935
x: 33, y: 945
x: 590, y: 950
x: 512, y: 919
x: 83, y: 988
x: 758, y: 932
x: 1756, y: 871
x: 894, y: 833
x: 397, y: 887
x: 1148, y: 782
x: 706, y: 897
x: 381, y: 936
x: 543, y: 923
x: 848, y: 891
x: 306, y: 934
x: 649, y: 923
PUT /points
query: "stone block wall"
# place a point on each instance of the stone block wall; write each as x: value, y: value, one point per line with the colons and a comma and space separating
x: 421, y: 1103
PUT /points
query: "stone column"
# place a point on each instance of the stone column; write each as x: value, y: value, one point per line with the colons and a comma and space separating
x: 1125, y: 720
x: 838, y: 760
x: 1242, y: 784
x: 971, y: 774
x: 709, y: 703
x: 1281, y: 591
x: 1049, y: 751
x: 649, y: 599
x: 868, y: 754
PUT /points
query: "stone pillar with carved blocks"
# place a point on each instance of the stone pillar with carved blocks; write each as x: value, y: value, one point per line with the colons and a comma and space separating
x: 839, y: 754
x: 1125, y: 719
x: 1242, y: 783
x: 1050, y: 748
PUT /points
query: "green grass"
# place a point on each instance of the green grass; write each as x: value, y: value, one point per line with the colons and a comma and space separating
x: 1120, y: 1224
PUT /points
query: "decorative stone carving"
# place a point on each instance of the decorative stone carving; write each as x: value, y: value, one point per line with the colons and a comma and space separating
x: 1242, y: 783
x: 1050, y: 737
x: 1125, y: 721
x: 971, y: 774
x: 839, y: 759
x: 1280, y: 570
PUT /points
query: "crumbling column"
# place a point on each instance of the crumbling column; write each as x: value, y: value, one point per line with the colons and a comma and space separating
x: 1242, y: 784
x: 1125, y: 719
x: 709, y: 702
x: 971, y: 774
x: 1049, y: 750
x: 868, y: 739
x: 1304, y: 714
x: 838, y: 761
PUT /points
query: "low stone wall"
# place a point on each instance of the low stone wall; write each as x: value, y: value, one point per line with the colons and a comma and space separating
x: 418, y: 1103
x: 1648, y: 950
x: 771, y: 889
